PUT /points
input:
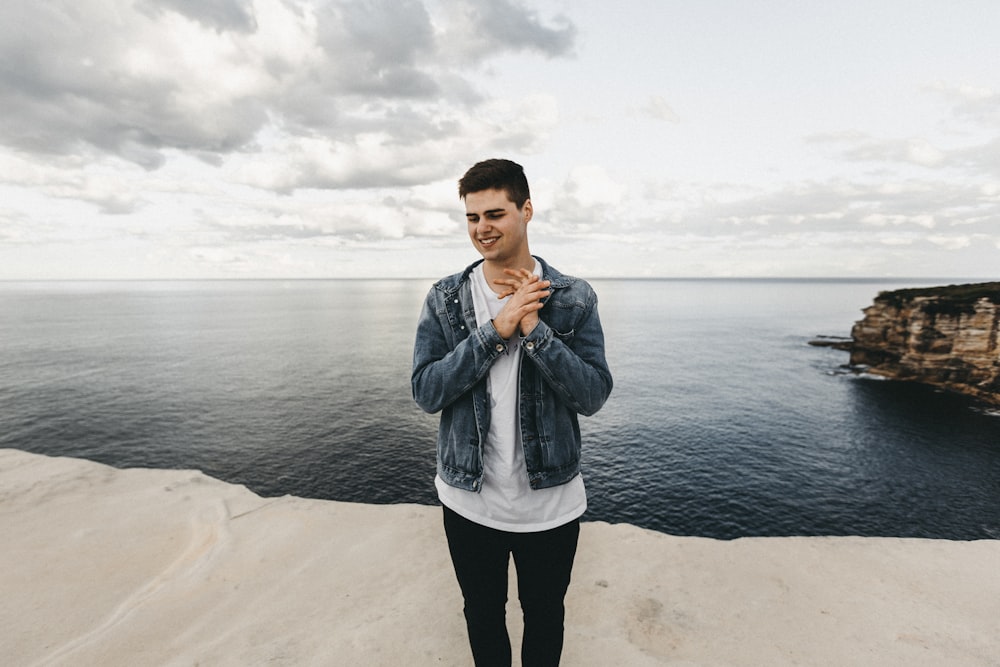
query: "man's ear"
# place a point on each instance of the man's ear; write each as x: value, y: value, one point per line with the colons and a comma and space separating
x: 527, y: 210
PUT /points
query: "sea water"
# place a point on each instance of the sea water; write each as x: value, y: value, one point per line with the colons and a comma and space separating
x: 724, y: 422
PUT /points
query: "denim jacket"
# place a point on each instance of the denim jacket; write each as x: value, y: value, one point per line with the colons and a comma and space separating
x: 563, y: 373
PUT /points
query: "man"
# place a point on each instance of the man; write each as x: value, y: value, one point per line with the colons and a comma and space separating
x: 510, y: 351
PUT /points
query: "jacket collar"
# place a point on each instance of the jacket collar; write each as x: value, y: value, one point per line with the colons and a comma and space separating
x: 453, y: 283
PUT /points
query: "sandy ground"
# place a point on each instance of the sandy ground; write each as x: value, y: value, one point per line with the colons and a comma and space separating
x: 100, y: 566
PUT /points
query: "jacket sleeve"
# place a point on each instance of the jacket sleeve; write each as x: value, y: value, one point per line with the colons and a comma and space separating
x: 573, y: 364
x: 444, y: 371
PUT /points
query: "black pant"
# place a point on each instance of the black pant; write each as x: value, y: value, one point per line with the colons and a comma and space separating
x: 543, y: 560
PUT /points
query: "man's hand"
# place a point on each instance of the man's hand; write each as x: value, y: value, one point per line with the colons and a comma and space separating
x: 526, y: 291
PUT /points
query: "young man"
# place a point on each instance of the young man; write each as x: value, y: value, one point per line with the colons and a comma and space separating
x: 510, y: 351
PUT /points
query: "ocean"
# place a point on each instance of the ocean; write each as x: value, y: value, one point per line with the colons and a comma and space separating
x: 723, y: 422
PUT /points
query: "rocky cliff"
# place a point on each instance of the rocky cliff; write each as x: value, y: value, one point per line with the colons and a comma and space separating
x: 944, y: 336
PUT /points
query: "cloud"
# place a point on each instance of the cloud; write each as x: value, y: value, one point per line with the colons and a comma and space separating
x: 855, y: 225
x: 952, y: 242
x: 861, y: 147
x: 137, y: 81
x: 377, y: 48
x: 586, y: 202
x: 17, y: 229
x: 114, y: 81
x: 657, y: 108
x: 478, y: 28
x: 913, y: 151
x: 67, y: 181
x: 981, y: 159
x: 407, y: 150
x: 974, y: 116
x: 883, y: 220
x: 592, y: 185
x: 979, y: 105
x: 274, y: 135
x: 218, y: 14
x: 346, y: 218
x: 775, y: 229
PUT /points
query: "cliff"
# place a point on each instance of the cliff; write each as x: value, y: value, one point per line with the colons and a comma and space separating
x: 943, y: 336
x: 130, y: 568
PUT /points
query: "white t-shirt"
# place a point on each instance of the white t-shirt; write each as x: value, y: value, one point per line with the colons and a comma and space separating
x: 506, y: 500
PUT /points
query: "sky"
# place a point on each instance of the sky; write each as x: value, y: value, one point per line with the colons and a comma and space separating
x: 230, y: 139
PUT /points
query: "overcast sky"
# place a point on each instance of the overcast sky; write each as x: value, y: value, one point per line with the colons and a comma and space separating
x: 303, y: 138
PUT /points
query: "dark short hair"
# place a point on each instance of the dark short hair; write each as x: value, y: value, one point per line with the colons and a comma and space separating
x: 496, y: 174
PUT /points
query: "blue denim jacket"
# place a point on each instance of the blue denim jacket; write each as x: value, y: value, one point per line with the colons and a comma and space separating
x: 563, y: 373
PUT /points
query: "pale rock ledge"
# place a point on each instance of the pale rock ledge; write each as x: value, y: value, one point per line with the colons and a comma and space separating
x: 110, y: 567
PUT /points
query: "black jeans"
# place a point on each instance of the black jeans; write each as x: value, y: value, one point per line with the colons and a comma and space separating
x: 543, y: 561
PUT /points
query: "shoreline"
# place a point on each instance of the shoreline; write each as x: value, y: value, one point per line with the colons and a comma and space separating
x: 104, y: 566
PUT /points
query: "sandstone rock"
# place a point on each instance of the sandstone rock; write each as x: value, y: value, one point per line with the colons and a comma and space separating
x: 943, y: 336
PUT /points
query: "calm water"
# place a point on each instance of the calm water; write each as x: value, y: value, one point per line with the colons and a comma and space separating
x: 723, y: 422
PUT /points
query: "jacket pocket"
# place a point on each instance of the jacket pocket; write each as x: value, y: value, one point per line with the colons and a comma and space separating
x: 564, y: 337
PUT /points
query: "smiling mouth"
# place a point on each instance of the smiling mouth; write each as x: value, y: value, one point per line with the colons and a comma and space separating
x: 486, y: 243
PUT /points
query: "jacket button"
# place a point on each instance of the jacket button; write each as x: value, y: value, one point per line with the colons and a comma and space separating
x: 499, y: 347
x: 530, y: 345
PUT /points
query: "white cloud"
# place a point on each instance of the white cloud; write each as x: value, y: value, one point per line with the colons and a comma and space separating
x: 883, y: 220
x: 897, y: 240
x: 218, y: 14
x: 976, y: 104
x: 862, y: 148
x: 591, y: 185
x: 657, y: 108
x: 378, y: 158
x: 136, y: 80
x: 587, y: 202
x: 159, y: 138
x: 950, y: 242
x: 477, y: 29
x: 93, y: 185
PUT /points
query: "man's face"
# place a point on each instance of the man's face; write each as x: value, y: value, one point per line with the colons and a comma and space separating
x: 498, y: 229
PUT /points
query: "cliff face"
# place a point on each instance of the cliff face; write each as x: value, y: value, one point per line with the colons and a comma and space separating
x: 944, y: 336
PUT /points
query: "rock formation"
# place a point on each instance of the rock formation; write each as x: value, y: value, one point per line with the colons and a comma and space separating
x: 944, y: 336
x: 119, y: 568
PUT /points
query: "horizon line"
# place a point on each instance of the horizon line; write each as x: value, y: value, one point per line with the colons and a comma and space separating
x: 435, y: 278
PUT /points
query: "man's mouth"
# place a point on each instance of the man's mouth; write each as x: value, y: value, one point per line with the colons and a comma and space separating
x: 486, y: 243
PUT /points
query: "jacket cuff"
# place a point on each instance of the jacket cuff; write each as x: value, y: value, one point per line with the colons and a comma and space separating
x: 491, y: 340
x: 537, y: 339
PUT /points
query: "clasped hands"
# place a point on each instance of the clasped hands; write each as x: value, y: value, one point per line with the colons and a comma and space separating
x: 521, y: 312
